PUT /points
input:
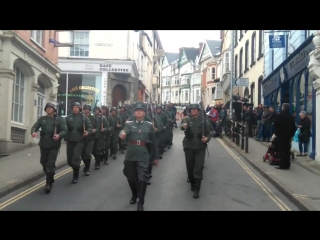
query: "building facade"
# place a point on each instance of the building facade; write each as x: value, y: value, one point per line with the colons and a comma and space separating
x: 225, y: 64
x: 287, y: 76
x: 28, y: 80
x: 110, y: 67
x: 170, y: 78
x: 186, y: 66
x: 209, y: 59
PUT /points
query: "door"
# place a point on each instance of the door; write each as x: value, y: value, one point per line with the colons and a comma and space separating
x: 117, y: 95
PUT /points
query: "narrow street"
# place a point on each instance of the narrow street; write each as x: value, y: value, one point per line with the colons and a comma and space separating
x: 229, y: 184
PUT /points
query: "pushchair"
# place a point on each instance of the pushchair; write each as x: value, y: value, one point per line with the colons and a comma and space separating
x: 272, y: 154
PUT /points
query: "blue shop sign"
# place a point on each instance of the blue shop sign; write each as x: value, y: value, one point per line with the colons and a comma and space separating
x: 299, y: 62
x: 271, y: 85
x: 277, y: 41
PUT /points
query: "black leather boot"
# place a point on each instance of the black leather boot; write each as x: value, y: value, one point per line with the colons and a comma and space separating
x: 98, y: 160
x: 197, y: 186
x: 142, y: 193
x: 192, y: 184
x: 52, y: 178
x: 114, y: 151
x: 106, y: 156
x: 150, y: 172
x: 85, y: 165
x: 88, y: 167
x: 47, y: 188
x: 75, y: 175
x: 134, y: 191
x: 122, y: 149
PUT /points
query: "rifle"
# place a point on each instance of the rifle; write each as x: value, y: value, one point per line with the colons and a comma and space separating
x: 82, y: 117
x: 118, y: 113
x: 203, y: 116
x: 55, y: 120
x: 152, y: 113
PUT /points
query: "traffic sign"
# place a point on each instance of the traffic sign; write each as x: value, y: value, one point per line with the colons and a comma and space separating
x: 241, y: 82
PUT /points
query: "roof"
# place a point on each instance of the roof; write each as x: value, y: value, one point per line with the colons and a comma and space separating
x: 214, y: 46
x: 191, y: 53
x: 171, y: 57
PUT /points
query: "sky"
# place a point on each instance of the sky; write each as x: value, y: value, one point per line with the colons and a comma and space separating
x: 172, y: 40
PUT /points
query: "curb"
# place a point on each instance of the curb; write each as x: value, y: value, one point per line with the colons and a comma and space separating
x: 274, y: 182
x: 29, y: 180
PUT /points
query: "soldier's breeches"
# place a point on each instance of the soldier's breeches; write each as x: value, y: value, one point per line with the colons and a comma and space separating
x: 98, y: 147
x: 74, y: 150
x: 48, y: 159
x: 87, y: 149
x: 135, y: 171
x: 195, y: 162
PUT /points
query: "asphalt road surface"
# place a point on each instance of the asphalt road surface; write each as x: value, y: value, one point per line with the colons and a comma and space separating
x: 229, y: 184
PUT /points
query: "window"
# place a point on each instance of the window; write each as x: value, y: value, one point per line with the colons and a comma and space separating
x: 186, y: 95
x: 236, y: 66
x: 18, y: 92
x: 213, y: 98
x: 213, y: 73
x: 241, y: 34
x: 260, y: 43
x: 198, y: 95
x: 219, y: 91
x: 81, y: 44
x: 36, y: 36
x: 240, y: 62
x: 253, y: 48
x: 176, y: 80
x: 40, y: 102
x: 227, y: 62
x: 155, y: 67
x: 309, y: 97
x: 167, y: 81
x: 246, y: 61
x: 235, y: 37
x: 185, y: 79
x: 196, y: 78
x: 302, y: 90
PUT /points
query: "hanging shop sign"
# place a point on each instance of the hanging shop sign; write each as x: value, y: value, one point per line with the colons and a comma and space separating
x: 277, y: 41
x: 79, y: 88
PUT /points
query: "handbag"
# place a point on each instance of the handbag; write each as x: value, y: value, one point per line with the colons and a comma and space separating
x: 296, y: 135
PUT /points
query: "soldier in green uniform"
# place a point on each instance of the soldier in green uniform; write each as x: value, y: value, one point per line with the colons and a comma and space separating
x: 99, y: 127
x: 53, y: 130
x: 124, y: 116
x: 116, y: 128
x: 79, y: 127
x: 86, y: 154
x: 107, y: 136
x: 141, y: 144
x: 169, y: 127
x: 162, y: 136
x: 194, y: 145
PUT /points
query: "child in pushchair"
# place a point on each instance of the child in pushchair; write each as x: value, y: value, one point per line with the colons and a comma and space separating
x: 272, y: 154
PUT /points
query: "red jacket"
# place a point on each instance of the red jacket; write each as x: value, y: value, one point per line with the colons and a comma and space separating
x: 214, y: 115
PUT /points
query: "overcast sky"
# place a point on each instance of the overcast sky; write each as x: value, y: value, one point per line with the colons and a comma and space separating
x: 172, y: 40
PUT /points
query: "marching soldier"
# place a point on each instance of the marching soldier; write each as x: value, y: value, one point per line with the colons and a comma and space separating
x: 53, y: 130
x: 116, y: 128
x: 108, y: 134
x: 100, y: 126
x: 79, y: 128
x: 195, y: 144
x: 169, y: 127
x: 162, y: 136
x: 86, y: 154
x: 141, y: 139
x: 124, y: 116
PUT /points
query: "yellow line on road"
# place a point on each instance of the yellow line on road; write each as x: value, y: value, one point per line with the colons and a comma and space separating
x: 32, y: 189
x: 264, y: 187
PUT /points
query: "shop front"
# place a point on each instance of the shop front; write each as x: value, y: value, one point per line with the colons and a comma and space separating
x: 92, y: 81
x: 291, y: 83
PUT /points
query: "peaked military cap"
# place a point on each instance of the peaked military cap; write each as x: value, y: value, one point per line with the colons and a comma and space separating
x: 50, y: 105
x: 194, y: 106
x: 139, y: 105
x: 87, y: 106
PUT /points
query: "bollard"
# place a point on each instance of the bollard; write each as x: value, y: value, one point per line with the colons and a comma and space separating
x: 247, y: 138
x: 242, y: 136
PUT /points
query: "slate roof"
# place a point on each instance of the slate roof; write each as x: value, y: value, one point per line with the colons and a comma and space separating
x: 214, y: 46
x: 191, y: 53
x: 171, y: 57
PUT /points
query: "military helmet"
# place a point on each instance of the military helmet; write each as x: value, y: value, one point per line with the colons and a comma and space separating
x: 77, y: 105
x: 158, y: 107
x: 50, y: 105
x: 194, y: 106
x: 87, y: 106
x: 97, y: 108
x: 114, y: 109
x: 139, y: 105
x: 104, y: 107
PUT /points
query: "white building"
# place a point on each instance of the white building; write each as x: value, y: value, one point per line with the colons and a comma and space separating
x: 170, y: 78
x: 208, y: 61
x: 109, y: 67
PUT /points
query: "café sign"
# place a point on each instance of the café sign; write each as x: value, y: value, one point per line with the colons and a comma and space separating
x: 77, y: 88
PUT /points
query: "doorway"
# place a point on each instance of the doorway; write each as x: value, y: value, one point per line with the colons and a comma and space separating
x: 118, y: 95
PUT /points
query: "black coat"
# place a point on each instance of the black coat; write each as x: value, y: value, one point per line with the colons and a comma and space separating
x: 284, y: 125
x: 305, y: 130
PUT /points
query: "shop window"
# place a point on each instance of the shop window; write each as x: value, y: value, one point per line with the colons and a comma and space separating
x: 18, y: 96
x: 278, y: 100
x: 309, y: 97
x: 294, y: 96
x: 302, y: 93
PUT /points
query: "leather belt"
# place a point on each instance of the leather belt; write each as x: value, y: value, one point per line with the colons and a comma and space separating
x: 138, y: 143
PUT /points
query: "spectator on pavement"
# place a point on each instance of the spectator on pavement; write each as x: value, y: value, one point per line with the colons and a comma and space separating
x: 272, y: 117
x: 214, y: 114
x: 284, y: 127
x: 264, y: 132
x: 305, y: 133
x: 259, y: 117
x: 208, y: 108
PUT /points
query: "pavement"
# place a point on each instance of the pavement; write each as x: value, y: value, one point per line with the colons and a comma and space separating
x: 230, y: 183
x: 300, y: 184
